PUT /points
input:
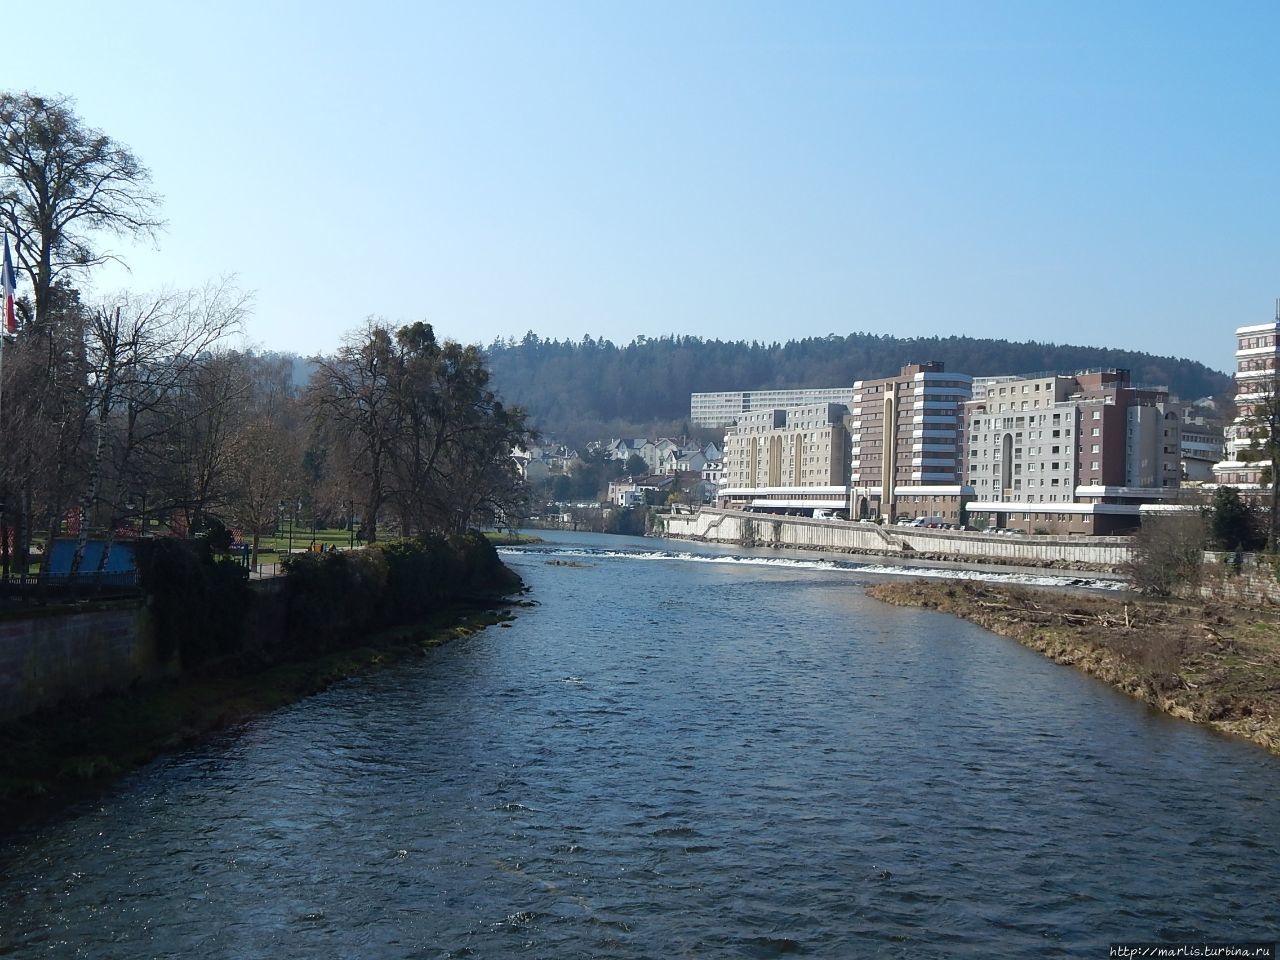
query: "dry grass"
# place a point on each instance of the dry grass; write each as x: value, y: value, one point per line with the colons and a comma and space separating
x: 1199, y: 660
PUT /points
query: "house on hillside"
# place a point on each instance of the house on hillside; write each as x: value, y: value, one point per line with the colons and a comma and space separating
x: 537, y: 462
x: 633, y: 493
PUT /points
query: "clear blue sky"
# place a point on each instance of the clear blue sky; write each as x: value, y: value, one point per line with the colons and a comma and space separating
x: 1101, y: 173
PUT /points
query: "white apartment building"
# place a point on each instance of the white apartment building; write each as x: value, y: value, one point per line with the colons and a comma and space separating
x: 1257, y: 351
x: 728, y: 407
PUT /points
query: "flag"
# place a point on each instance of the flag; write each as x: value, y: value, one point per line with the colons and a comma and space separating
x: 7, y: 285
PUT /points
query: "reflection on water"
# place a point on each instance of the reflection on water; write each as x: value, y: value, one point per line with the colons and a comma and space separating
x: 683, y: 759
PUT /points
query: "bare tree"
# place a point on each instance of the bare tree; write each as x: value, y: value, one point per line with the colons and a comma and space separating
x: 351, y: 396
x: 266, y: 472
x: 1168, y: 552
x: 414, y: 422
x: 452, y: 454
x: 204, y: 420
x: 61, y: 182
x: 142, y: 354
x: 43, y: 428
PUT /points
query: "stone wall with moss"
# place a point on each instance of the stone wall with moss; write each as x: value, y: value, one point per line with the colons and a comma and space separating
x: 50, y: 656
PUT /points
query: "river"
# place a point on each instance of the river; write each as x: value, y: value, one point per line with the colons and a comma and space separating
x: 675, y: 754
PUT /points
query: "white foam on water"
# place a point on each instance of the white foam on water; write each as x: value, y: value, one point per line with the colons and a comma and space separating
x: 881, y: 569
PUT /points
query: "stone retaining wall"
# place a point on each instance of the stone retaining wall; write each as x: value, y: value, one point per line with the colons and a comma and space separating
x: 1254, y: 583
x: 48, y: 656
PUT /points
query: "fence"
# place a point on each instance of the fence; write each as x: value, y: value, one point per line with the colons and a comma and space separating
x: 54, y: 588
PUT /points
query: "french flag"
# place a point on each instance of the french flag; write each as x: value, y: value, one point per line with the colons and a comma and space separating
x: 7, y: 285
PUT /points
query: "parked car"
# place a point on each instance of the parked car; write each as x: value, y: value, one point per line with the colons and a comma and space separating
x: 934, y: 522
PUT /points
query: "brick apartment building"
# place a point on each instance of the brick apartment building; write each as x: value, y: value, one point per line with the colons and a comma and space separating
x: 905, y: 443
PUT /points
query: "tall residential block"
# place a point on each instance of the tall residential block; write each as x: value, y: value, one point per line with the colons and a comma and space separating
x: 905, y: 443
x: 1071, y: 454
x: 787, y: 460
x: 1257, y: 351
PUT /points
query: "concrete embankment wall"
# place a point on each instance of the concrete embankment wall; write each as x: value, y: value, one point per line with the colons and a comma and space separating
x: 48, y: 656
x: 54, y: 654
x: 734, y: 526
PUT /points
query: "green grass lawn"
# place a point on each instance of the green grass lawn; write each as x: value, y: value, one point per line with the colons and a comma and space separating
x: 302, y: 539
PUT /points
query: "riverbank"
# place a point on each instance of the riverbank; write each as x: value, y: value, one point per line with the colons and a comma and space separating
x: 503, y: 539
x: 55, y: 757
x: 1207, y: 662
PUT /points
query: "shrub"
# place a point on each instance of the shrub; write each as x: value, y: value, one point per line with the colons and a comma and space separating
x: 331, y: 597
x: 197, y: 604
x: 1235, y: 523
x: 1168, y: 553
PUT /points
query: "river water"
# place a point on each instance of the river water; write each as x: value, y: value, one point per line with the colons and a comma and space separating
x: 676, y: 754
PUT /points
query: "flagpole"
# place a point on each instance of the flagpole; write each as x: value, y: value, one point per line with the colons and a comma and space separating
x: 7, y: 292
x: 7, y: 286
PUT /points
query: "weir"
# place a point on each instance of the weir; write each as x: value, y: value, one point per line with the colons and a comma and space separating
x: 739, y: 526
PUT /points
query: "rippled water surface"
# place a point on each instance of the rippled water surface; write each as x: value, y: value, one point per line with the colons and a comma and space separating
x: 674, y: 758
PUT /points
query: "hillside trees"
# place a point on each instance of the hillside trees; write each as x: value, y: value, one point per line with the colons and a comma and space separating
x: 413, y: 424
x: 580, y: 391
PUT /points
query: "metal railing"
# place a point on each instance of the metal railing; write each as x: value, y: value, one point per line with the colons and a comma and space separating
x: 52, y: 588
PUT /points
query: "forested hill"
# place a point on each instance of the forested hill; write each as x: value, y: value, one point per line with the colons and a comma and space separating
x: 593, y: 388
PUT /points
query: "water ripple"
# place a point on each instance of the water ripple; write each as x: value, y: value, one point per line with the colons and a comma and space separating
x: 680, y: 759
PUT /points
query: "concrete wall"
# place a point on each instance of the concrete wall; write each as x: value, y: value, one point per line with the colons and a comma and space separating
x: 49, y: 656
x: 733, y: 526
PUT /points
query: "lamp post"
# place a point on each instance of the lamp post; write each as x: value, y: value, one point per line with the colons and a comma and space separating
x: 351, y: 522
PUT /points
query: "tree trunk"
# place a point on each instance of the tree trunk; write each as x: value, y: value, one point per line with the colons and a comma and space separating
x: 1275, y: 498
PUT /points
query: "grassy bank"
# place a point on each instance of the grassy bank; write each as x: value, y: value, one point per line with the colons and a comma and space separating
x: 54, y: 757
x: 1199, y: 660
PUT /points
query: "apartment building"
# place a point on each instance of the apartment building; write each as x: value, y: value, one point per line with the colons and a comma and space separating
x: 905, y: 444
x: 1257, y: 350
x: 728, y: 407
x: 1202, y: 443
x: 1083, y: 453
x: 787, y: 460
